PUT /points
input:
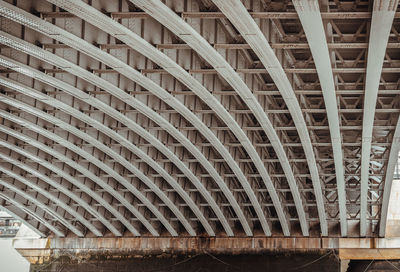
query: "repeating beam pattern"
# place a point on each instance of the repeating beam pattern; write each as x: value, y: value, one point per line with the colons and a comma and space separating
x: 199, y: 117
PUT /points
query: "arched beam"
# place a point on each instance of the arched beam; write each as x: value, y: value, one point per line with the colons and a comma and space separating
x: 109, y: 132
x: 165, y: 96
x: 58, y: 171
x: 310, y: 17
x: 137, y: 43
x: 87, y: 156
x: 123, y: 119
x: 78, y: 71
x: 93, y: 141
x: 70, y: 179
x: 391, y: 164
x: 62, y: 189
x: 23, y: 221
x: 32, y: 213
x: 183, y: 30
x: 237, y: 14
x: 174, y: 69
x: 381, y: 24
x: 41, y: 205
x: 43, y: 192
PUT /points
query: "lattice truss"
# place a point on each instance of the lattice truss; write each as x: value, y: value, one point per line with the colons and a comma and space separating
x: 199, y: 117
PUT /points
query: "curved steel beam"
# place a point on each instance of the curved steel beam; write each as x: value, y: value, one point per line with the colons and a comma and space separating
x: 391, y: 164
x: 96, y: 124
x: 310, y: 17
x: 77, y: 114
x: 148, y: 84
x: 25, y: 222
x: 46, y: 194
x: 123, y: 119
x: 70, y: 179
x: 140, y: 45
x: 87, y: 156
x: 39, y: 204
x: 158, y: 57
x: 32, y: 213
x: 183, y: 30
x: 381, y: 24
x: 237, y: 14
x: 73, y: 181
x: 57, y: 61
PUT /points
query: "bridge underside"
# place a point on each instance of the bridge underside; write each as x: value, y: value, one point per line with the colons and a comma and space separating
x: 209, y: 118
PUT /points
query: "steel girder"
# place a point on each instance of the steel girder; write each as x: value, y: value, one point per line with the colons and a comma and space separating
x: 310, y: 17
x: 388, y: 179
x: 238, y: 15
x: 382, y: 19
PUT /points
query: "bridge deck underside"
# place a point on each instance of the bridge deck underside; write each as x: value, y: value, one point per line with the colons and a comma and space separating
x: 109, y: 168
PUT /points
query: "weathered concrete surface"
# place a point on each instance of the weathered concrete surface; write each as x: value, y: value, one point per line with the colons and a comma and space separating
x: 310, y: 261
x: 44, y: 250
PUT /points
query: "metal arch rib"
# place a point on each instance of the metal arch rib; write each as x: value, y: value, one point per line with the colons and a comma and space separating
x: 73, y: 112
x: 131, y: 73
x: 71, y: 211
x: 84, y: 154
x: 102, y: 166
x: 182, y: 76
x: 55, y: 60
x: 32, y: 213
x: 150, y: 52
x: 25, y: 222
x: 391, y: 164
x: 382, y: 19
x: 118, y: 116
x: 310, y: 17
x: 237, y: 14
x: 77, y: 114
x: 165, y: 96
x: 53, y: 213
x: 69, y: 178
x: 81, y: 186
x: 174, y: 23
x: 47, y: 149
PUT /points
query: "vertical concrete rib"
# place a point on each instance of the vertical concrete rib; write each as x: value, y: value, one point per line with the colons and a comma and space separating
x: 381, y: 24
x: 310, y: 17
